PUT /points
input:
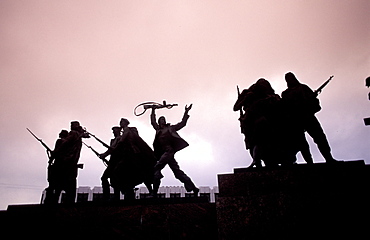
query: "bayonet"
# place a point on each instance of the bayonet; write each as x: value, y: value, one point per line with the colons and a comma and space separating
x: 97, y: 154
x: 48, y: 150
x: 97, y: 139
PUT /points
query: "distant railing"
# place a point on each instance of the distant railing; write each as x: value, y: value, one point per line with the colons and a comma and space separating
x: 86, y: 194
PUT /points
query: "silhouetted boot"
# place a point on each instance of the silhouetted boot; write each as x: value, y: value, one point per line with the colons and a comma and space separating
x: 254, y: 152
x: 256, y: 163
x: 328, y: 157
x: 106, y: 190
x: 156, y: 184
x: 332, y: 160
x: 149, y: 187
x: 129, y: 194
x: 117, y: 194
x: 307, y: 158
x: 196, y: 191
x: 49, y: 196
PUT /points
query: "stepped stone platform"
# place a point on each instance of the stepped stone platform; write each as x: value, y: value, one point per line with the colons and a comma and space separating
x: 302, y: 201
x: 320, y: 200
x: 185, y: 218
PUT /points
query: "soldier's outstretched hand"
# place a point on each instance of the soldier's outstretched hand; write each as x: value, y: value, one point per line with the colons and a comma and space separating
x: 187, y: 109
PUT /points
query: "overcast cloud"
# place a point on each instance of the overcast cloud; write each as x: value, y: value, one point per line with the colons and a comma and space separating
x: 94, y: 61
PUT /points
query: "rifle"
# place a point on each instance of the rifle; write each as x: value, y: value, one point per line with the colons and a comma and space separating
x: 147, y: 105
x: 97, y: 154
x: 97, y: 139
x: 240, y: 112
x: 48, y: 150
x: 318, y: 91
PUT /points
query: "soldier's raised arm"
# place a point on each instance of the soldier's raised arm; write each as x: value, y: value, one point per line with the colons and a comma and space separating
x: 184, y: 119
x: 153, y: 119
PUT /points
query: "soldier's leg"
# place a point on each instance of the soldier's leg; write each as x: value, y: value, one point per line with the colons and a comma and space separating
x: 129, y: 193
x: 116, y: 189
x: 254, y: 152
x: 105, y: 184
x: 180, y: 175
x: 304, y: 147
x: 116, y: 194
x: 162, y: 162
x: 57, y: 193
x: 315, y: 130
x: 156, y: 184
x: 148, y: 185
x: 49, y: 194
x: 71, y: 190
x: 53, y: 184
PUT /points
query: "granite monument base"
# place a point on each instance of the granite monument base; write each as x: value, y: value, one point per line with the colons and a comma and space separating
x: 320, y: 200
x: 302, y: 201
x: 140, y: 219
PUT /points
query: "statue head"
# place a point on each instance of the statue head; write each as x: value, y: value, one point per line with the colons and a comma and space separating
x: 124, y: 122
x: 162, y: 122
x: 116, y: 131
x: 291, y: 80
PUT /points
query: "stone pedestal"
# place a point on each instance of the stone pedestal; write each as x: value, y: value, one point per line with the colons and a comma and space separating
x: 142, y: 219
x: 303, y: 201
x: 319, y: 200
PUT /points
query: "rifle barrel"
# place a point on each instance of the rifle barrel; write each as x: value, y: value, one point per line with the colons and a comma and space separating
x: 97, y: 139
x: 97, y: 154
x: 317, y: 91
x: 40, y: 140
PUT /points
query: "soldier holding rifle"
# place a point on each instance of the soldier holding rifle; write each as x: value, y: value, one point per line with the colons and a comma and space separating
x: 69, y: 152
x: 302, y: 104
x: 55, y: 172
x: 166, y: 143
x: 63, y: 163
x: 132, y: 161
x: 111, y: 165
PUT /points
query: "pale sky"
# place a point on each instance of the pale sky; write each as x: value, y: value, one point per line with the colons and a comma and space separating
x: 94, y: 61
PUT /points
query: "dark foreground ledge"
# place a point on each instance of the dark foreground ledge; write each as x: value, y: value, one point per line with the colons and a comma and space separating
x: 319, y: 200
x: 190, y: 218
x: 302, y: 201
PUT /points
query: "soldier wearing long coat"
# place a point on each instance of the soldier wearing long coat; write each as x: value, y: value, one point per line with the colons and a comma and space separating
x: 166, y: 143
x: 133, y: 161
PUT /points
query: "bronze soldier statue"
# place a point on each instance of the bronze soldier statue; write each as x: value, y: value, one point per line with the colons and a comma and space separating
x: 111, y: 166
x: 69, y: 154
x: 133, y: 161
x: 302, y: 104
x: 55, y: 174
x: 166, y: 143
x: 263, y: 125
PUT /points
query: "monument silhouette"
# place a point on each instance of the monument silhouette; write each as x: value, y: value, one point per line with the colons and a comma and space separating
x: 273, y: 198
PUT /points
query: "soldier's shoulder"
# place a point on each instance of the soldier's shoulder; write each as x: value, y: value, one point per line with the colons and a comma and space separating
x: 133, y: 129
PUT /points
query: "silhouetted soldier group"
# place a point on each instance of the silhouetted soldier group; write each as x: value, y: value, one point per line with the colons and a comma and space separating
x: 131, y: 163
x: 274, y: 127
